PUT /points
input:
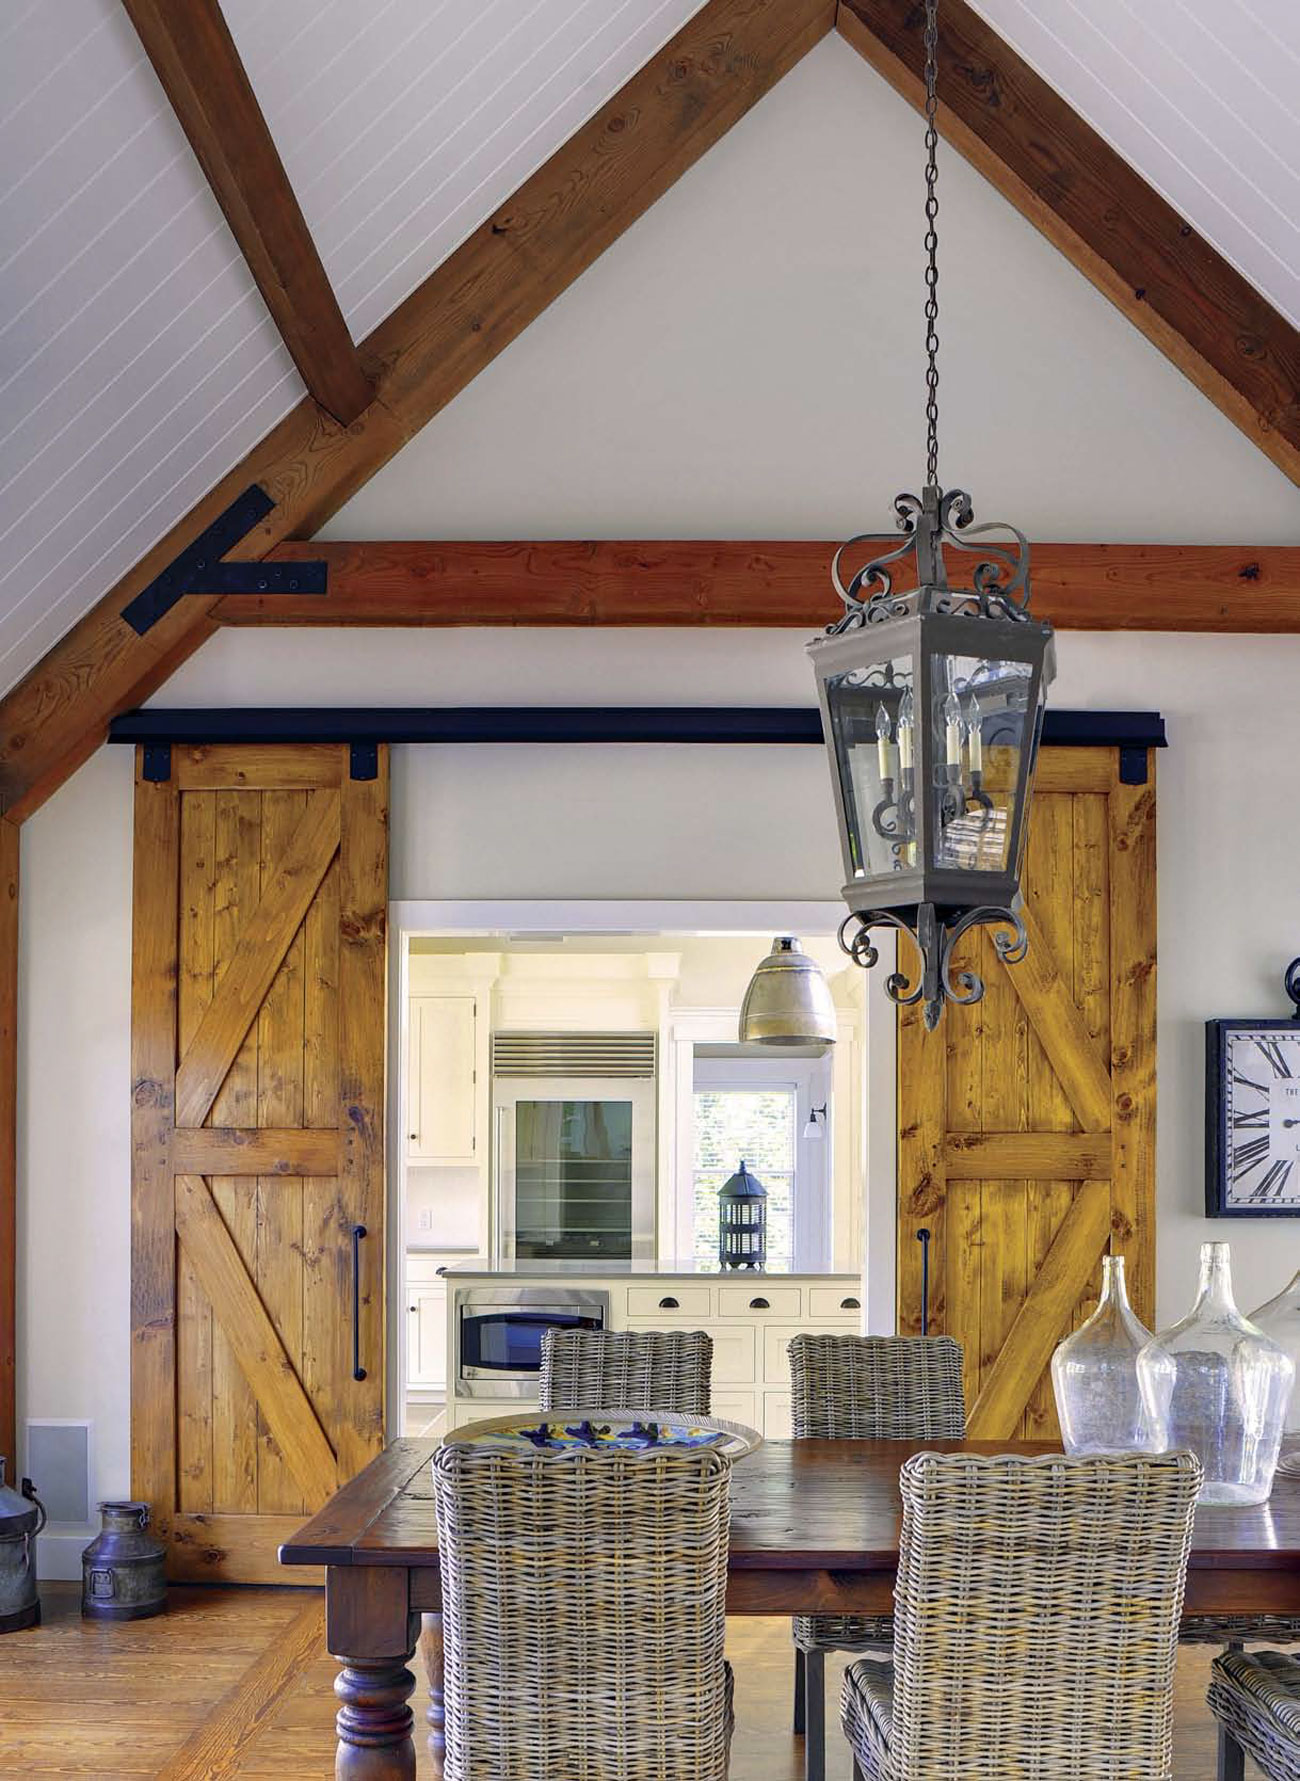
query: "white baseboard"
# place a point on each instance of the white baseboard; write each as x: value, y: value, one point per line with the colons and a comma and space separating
x: 58, y: 1556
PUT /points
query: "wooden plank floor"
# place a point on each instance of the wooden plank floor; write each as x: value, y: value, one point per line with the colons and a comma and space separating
x: 235, y: 1682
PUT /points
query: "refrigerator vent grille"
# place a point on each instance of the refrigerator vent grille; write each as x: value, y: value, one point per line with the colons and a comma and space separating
x: 573, y: 1054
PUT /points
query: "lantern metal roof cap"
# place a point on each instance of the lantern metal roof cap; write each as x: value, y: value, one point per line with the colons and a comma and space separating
x: 788, y: 1001
x: 742, y: 1185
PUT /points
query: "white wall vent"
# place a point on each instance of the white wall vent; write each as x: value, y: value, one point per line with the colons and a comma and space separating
x: 58, y: 1458
x: 573, y: 1054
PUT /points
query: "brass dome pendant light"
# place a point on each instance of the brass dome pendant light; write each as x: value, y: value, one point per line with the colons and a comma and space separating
x: 932, y: 707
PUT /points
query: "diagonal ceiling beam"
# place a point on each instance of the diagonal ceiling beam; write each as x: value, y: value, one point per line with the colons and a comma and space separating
x: 195, y: 58
x: 484, y: 295
x: 1091, y: 204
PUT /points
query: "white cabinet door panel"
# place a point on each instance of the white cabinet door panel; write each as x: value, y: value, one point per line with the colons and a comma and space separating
x: 426, y: 1356
x: 442, y: 1098
x: 736, y: 1406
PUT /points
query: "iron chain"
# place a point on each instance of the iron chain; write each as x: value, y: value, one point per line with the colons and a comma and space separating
x: 931, y: 245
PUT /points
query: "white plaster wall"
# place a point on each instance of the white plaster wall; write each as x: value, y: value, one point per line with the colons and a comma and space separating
x: 743, y: 363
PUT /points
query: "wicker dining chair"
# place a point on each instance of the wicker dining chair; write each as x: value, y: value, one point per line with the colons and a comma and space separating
x: 627, y: 1370
x: 584, y: 1613
x: 869, y: 1388
x: 1035, y: 1620
x: 1255, y: 1696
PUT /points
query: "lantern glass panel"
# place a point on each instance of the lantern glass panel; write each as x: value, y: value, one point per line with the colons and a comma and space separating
x: 985, y: 717
x: 873, y: 722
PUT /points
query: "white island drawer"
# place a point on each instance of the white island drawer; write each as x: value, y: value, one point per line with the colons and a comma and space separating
x: 760, y: 1300
x: 668, y: 1301
x: 826, y: 1302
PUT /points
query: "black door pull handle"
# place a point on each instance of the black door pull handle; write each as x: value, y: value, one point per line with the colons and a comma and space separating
x: 850, y: 1305
x: 669, y: 1305
x: 358, y: 1371
x: 759, y: 1305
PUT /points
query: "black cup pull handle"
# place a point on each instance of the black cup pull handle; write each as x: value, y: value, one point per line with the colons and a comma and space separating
x: 850, y: 1305
x: 358, y: 1371
x: 669, y: 1305
x: 759, y: 1305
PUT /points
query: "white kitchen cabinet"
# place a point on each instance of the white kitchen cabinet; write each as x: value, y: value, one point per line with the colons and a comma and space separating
x: 443, y: 1100
x: 426, y: 1340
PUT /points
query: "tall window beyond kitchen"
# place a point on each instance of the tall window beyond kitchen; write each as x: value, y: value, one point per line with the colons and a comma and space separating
x: 757, y: 1125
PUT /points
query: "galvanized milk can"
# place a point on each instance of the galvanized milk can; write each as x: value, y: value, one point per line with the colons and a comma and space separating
x: 122, y: 1570
x: 21, y: 1519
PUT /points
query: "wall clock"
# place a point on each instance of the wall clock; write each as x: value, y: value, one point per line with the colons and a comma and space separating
x: 1252, y: 1083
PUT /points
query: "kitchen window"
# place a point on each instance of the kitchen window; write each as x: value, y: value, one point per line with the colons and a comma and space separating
x: 760, y: 1125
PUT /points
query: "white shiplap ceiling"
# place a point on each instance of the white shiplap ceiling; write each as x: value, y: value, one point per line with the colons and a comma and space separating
x: 1201, y: 96
x: 137, y: 362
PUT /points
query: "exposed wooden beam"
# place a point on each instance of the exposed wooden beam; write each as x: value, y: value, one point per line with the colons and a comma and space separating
x: 1089, y: 202
x: 605, y: 177
x: 8, y: 1138
x: 1082, y: 587
x: 195, y: 58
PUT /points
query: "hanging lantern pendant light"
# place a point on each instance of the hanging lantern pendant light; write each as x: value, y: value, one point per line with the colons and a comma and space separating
x: 932, y: 705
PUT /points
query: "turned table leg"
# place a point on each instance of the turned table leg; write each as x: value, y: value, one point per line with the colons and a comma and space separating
x: 372, y: 1633
x: 374, y: 1722
x: 431, y: 1655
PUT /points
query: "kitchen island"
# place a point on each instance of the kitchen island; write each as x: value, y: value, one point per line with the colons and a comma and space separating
x: 750, y: 1315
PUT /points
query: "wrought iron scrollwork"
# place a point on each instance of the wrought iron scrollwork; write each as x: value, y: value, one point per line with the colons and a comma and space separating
x: 935, y: 940
x: 999, y: 581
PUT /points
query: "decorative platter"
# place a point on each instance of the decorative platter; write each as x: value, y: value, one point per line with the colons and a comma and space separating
x: 606, y: 1431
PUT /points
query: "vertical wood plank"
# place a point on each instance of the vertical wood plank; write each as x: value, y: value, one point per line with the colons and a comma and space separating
x: 153, y: 1209
x: 9, y: 833
x: 279, y: 1199
x: 363, y: 984
x: 197, y: 885
x: 922, y: 1175
x: 1052, y: 888
x: 236, y: 892
x: 1004, y: 1260
x: 1092, y: 943
x: 1133, y: 1033
x: 326, y: 1246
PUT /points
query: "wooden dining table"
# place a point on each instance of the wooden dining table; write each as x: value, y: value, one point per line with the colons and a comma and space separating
x: 814, y: 1529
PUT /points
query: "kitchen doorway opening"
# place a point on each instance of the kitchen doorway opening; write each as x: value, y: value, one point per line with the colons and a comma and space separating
x: 566, y: 1081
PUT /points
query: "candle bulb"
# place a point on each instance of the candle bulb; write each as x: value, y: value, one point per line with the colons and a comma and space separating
x: 952, y: 731
x: 906, y: 709
x: 975, y: 734
x: 884, y: 745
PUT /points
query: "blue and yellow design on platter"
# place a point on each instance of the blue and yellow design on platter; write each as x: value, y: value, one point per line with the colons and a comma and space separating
x: 607, y: 1431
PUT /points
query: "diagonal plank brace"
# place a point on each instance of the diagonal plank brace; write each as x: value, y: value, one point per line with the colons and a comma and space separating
x: 199, y: 569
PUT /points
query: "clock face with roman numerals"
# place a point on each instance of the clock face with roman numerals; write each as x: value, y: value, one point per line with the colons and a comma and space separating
x: 1253, y: 1165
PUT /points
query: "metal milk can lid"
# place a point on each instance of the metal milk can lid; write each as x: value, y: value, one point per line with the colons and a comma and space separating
x: 18, y: 1514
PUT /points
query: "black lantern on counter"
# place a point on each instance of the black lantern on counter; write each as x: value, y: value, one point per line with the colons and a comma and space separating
x: 742, y: 1221
x: 932, y: 706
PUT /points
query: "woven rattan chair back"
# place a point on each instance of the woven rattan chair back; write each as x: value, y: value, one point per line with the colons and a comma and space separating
x: 627, y: 1370
x: 1036, y: 1615
x: 876, y: 1388
x: 584, y: 1612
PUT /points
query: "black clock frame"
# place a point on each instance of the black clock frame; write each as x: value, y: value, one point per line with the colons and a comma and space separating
x: 1218, y: 1149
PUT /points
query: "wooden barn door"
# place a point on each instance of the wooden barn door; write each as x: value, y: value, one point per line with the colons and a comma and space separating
x: 258, y: 1027
x: 1027, y: 1123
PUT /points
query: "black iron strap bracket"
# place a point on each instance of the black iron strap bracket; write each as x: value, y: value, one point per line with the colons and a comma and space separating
x: 199, y: 569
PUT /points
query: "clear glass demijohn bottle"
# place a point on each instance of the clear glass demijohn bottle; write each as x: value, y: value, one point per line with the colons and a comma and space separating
x: 1221, y: 1387
x: 1099, y: 1401
x: 1280, y: 1321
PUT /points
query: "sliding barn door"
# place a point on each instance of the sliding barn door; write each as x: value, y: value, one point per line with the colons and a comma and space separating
x: 1027, y: 1123
x: 258, y: 1024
